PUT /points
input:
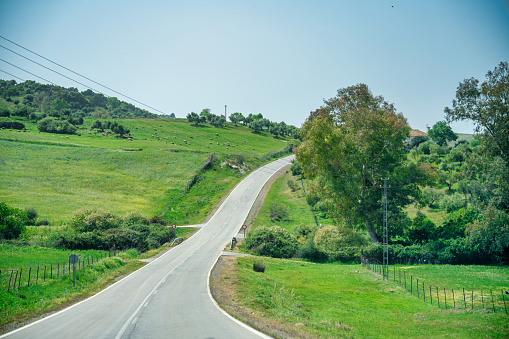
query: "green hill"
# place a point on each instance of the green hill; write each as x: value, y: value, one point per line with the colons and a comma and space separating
x: 150, y: 172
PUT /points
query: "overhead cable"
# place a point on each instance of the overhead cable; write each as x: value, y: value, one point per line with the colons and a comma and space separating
x: 12, y: 75
x: 24, y: 70
x: 95, y: 82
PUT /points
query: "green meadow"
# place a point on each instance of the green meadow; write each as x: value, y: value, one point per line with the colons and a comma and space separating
x: 58, y: 174
x: 338, y: 300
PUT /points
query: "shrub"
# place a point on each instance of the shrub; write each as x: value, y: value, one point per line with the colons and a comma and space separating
x: 258, y: 266
x: 135, y: 217
x: 5, y: 112
x: 309, y: 251
x: 452, y: 203
x: 8, y: 123
x: 295, y: 168
x: 331, y: 239
x: 86, y: 220
x: 31, y: 214
x: 292, y: 185
x: 278, y: 211
x: 274, y: 242
x: 421, y: 230
x: 51, y: 125
x: 43, y: 222
x: 12, y: 221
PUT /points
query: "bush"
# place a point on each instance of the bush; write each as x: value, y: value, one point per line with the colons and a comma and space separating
x: 31, y: 214
x: 258, y: 266
x: 309, y: 251
x: 278, y: 211
x: 421, y: 230
x: 295, y: 168
x: 292, y: 185
x: 5, y: 112
x: 12, y: 221
x: 331, y: 239
x: 42, y: 222
x: 451, y: 203
x: 135, y: 218
x: 86, y: 220
x: 51, y: 125
x: 8, y: 123
x: 274, y: 242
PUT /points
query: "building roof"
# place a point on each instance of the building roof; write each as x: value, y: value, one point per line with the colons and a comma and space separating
x: 417, y: 133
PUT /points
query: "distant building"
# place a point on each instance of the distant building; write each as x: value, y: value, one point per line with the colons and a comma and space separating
x: 417, y: 133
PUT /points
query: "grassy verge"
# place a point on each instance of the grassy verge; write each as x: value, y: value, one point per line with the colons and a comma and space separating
x: 300, y: 216
x: 335, y: 300
x: 19, y: 305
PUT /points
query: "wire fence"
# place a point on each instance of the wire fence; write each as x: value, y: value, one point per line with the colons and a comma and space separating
x: 486, y: 300
x: 14, y: 279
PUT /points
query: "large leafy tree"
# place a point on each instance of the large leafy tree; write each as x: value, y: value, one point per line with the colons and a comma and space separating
x: 442, y: 133
x: 487, y: 105
x: 349, y: 145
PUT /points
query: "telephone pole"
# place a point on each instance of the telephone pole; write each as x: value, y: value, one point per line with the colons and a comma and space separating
x: 385, y: 240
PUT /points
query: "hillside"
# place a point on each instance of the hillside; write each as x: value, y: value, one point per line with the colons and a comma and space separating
x: 59, y: 174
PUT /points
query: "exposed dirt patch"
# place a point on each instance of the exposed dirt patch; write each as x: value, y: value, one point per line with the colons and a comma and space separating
x: 223, y: 282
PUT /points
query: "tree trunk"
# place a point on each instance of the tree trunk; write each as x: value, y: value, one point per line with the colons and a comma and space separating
x: 372, y: 232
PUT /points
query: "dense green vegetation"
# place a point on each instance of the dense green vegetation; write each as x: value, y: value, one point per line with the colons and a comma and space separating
x: 334, y: 300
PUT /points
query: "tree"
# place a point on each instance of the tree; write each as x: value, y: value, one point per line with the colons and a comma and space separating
x: 349, y: 144
x: 236, y: 118
x: 256, y: 126
x: 206, y: 115
x: 217, y: 121
x: 442, y: 133
x: 487, y: 105
x: 194, y: 118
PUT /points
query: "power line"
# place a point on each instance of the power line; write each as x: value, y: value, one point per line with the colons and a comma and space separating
x: 95, y: 82
x: 24, y: 70
x: 65, y: 76
x: 12, y: 75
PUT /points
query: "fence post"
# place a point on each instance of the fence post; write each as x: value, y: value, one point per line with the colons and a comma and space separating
x: 472, y: 300
x: 464, y: 299
x: 454, y: 301
x: 503, y: 298
x: 430, y: 295
x: 15, y: 279
x: 404, y: 275
x: 44, y: 278
x: 438, y: 298
x: 492, y: 302
x: 29, y: 272
x: 411, y: 284
x: 8, y: 287
x: 445, y: 299
x: 37, y: 277
x: 19, y: 280
x: 58, y: 269
x: 482, y: 300
x: 423, y: 292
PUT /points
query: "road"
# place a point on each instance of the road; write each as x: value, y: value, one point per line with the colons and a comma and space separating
x: 169, y: 297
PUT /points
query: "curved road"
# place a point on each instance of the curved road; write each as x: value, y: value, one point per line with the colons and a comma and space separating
x: 169, y: 297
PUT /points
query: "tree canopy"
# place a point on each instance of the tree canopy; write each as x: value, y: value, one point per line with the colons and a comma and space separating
x: 349, y: 145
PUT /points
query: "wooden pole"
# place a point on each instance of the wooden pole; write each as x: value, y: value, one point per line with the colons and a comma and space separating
x: 454, y: 301
x: 29, y: 272
x: 503, y: 298
x: 438, y: 298
x: 37, y: 277
x: 430, y: 295
x: 445, y: 300
x: 8, y: 287
x: 417, y: 288
x: 492, y: 302
x: 19, y: 280
x: 464, y: 299
x: 482, y: 299
x: 15, y: 279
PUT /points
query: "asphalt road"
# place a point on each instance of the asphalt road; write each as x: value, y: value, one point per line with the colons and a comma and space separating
x: 169, y: 297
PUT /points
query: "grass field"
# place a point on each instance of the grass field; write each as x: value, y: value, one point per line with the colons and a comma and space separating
x: 45, y: 294
x: 337, y: 300
x: 59, y: 174
x: 300, y: 214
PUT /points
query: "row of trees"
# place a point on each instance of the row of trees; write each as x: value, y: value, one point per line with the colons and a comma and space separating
x: 255, y: 122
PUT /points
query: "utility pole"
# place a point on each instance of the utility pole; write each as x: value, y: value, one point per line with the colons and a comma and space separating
x: 385, y: 240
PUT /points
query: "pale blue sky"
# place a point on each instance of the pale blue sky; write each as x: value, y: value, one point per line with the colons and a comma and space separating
x: 278, y: 58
